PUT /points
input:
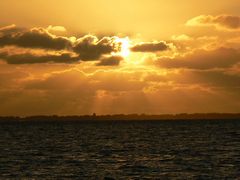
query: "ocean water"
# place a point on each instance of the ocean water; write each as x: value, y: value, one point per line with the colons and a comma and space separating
x: 120, y: 150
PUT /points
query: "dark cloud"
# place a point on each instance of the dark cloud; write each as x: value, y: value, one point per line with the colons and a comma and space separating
x: 202, y: 59
x: 33, y: 59
x: 35, y: 38
x: 209, y: 78
x: 110, y: 61
x: 90, y: 48
x: 232, y: 22
x: 225, y: 21
x: 150, y: 47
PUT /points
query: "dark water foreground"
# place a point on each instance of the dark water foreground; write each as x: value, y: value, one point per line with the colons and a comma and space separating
x: 120, y: 150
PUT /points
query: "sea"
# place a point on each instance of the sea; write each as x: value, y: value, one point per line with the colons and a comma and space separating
x: 108, y: 150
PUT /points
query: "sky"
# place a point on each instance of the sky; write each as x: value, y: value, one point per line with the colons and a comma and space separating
x: 80, y: 57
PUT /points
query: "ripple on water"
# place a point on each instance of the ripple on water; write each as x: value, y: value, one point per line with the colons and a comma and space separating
x: 118, y: 150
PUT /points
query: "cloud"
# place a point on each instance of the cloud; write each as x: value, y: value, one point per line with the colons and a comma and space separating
x: 56, y: 28
x: 150, y: 47
x: 35, y: 38
x: 9, y: 29
x: 72, y: 91
x: 110, y: 61
x: 182, y: 37
x: 90, y: 47
x: 64, y: 80
x: 203, y: 59
x: 215, y: 79
x: 59, y: 93
x: 227, y: 22
x: 28, y: 58
x: 11, y: 79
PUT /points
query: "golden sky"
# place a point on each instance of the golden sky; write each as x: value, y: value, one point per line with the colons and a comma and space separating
x: 150, y: 56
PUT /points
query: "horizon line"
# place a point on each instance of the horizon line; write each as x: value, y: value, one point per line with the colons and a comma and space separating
x: 114, y: 117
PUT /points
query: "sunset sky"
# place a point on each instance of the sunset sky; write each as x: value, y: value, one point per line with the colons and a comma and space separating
x: 119, y: 57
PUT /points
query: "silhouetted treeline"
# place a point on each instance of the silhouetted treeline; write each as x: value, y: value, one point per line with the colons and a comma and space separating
x: 122, y: 117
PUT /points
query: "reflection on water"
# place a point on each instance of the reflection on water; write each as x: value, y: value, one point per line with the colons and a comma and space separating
x: 120, y: 150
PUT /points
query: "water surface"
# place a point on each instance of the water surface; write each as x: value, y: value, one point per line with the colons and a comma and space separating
x: 120, y: 150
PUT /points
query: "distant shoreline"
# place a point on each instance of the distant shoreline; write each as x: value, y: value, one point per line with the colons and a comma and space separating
x: 129, y: 117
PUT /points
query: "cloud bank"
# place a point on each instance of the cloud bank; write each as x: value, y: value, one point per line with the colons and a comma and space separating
x: 68, y: 49
x: 203, y: 59
x: 35, y: 59
x: 150, y: 47
x: 35, y: 38
x: 110, y: 61
x: 225, y: 22
x: 91, y: 48
x: 81, y: 75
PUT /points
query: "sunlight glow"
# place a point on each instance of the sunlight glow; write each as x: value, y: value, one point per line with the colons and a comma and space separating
x: 125, y: 46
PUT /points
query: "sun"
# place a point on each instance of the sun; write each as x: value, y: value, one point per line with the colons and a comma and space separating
x: 125, y: 46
